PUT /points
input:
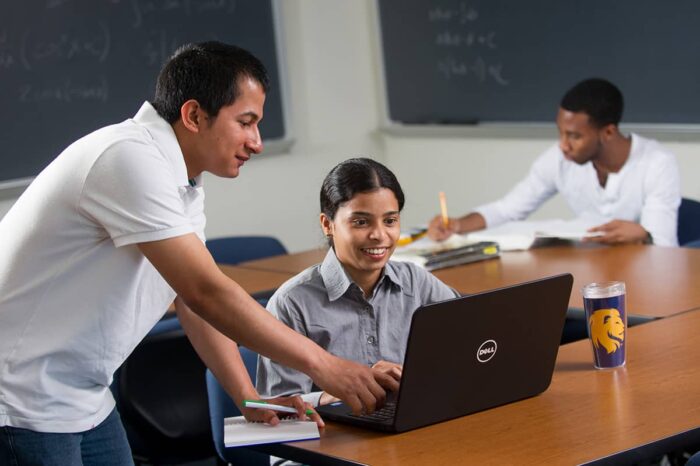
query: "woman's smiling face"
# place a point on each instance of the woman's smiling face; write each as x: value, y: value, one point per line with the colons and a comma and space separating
x: 365, y: 231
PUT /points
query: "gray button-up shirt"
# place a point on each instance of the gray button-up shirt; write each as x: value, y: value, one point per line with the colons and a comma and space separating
x: 324, y: 304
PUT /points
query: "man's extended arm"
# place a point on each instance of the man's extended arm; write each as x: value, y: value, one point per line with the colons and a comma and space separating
x: 188, y: 267
x: 222, y: 357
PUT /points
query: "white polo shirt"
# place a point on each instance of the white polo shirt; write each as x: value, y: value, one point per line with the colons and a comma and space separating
x: 646, y: 190
x: 76, y: 294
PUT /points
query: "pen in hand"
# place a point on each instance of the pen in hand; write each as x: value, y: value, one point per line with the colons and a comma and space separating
x: 259, y: 404
x: 443, y: 210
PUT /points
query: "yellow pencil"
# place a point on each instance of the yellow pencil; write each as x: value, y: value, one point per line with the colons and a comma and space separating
x: 443, y: 209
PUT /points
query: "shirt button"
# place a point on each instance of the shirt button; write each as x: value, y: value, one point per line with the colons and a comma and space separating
x: 370, y: 340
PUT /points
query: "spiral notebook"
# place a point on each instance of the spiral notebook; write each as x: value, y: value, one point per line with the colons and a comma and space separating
x: 440, y: 255
x: 240, y: 433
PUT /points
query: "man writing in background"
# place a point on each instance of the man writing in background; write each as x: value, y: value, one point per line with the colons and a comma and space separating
x: 632, y: 181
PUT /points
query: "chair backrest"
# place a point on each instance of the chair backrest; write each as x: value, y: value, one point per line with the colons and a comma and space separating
x: 162, y: 399
x: 694, y: 460
x: 688, y: 221
x: 235, y: 249
x: 222, y: 406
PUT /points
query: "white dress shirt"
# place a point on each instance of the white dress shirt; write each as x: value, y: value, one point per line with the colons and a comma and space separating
x: 646, y: 190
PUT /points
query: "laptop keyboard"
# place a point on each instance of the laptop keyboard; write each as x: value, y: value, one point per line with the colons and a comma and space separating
x: 386, y: 413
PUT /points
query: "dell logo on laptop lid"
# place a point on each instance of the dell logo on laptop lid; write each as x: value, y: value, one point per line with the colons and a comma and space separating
x: 486, y: 351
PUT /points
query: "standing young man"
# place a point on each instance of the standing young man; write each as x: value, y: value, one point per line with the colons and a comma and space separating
x: 107, y: 236
x: 633, y: 182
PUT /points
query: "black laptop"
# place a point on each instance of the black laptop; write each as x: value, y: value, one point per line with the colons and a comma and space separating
x: 473, y: 353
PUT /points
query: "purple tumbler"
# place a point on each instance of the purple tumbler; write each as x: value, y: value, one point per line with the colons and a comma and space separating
x: 606, y: 317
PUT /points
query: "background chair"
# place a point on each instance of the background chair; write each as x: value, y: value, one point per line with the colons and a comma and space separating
x: 235, y: 249
x: 222, y: 406
x: 162, y: 399
x: 689, y: 222
x: 694, y: 460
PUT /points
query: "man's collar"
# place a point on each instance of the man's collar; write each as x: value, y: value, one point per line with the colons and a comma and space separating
x: 163, y: 134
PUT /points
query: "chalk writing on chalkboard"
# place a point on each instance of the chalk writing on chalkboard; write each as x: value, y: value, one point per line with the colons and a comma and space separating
x: 68, y: 67
x: 508, y: 61
x: 466, y: 51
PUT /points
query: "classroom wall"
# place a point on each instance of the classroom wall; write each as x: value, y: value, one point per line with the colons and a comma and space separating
x: 335, y: 108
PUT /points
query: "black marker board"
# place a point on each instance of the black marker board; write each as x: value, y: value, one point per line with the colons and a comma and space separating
x: 505, y: 60
x: 68, y: 67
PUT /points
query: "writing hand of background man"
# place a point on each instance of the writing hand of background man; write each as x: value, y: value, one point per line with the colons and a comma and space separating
x: 437, y: 231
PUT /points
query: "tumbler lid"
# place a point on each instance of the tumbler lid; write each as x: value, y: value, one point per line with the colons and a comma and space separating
x: 603, y: 289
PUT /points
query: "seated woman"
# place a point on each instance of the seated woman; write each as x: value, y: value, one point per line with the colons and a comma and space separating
x: 356, y: 304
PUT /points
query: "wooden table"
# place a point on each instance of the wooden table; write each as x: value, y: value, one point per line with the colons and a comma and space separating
x: 660, y: 281
x: 255, y: 281
x: 586, y: 415
x: 290, y: 263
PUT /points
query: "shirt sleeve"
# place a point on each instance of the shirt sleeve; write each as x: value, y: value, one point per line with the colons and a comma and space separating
x: 132, y: 193
x: 662, y: 198
x: 432, y: 289
x: 528, y: 195
x: 274, y: 379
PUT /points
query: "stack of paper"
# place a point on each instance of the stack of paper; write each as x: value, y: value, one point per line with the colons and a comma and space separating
x: 238, y: 432
x: 514, y: 236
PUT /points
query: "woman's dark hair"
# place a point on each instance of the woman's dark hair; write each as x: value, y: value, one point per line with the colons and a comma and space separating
x: 208, y: 72
x: 600, y: 99
x: 353, y: 176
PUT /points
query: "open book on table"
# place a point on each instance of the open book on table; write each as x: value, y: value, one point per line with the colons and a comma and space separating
x: 515, y: 236
x: 239, y: 433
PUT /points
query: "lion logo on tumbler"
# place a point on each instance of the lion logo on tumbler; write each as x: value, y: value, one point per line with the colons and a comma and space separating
x: 607, y: 329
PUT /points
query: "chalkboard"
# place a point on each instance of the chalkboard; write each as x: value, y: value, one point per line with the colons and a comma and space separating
x: 452, y: 61
x: 68, y: 67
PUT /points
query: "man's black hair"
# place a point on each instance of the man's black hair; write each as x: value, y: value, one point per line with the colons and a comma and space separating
x: 600, y: 99
x: 208, y: 72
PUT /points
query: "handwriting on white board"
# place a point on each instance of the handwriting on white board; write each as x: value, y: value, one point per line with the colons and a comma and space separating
x: 91, y: 43
x: 66, y: 91
x: 470, y: 39
x: 464, y: 13
x: 48, y: 57
x: 468, y: 50
x: 451, y: 67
